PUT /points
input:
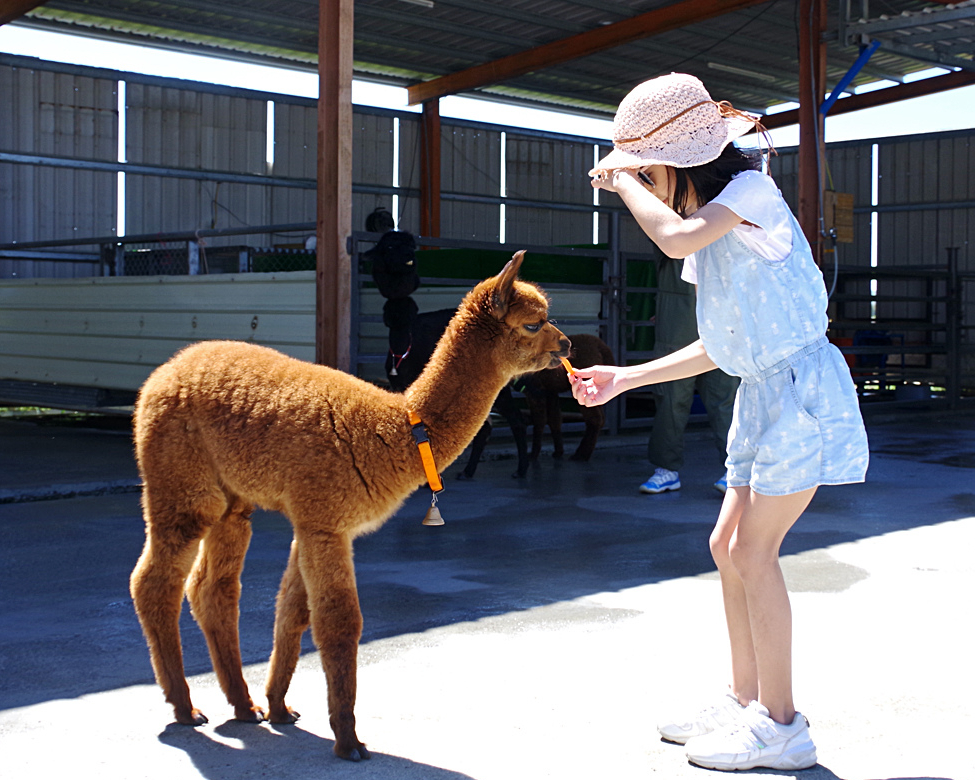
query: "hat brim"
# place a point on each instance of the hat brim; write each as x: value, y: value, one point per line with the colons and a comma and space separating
x: 672, y: 154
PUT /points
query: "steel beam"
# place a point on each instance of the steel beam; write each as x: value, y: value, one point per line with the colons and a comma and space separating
x: 880, y: 97
x: 671, y: 17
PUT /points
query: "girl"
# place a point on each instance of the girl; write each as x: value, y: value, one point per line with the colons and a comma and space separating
x: 761, y: 312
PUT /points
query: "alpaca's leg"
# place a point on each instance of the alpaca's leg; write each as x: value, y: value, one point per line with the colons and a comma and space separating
x: 594, y: 417
x: 290, y: 621
x: 336, y: 624
x: 536, y: 405
x: 157, y: 585
x: 505, y: 404
x: 214, y: 595
x: 477, y: 448
x: 554, y: 413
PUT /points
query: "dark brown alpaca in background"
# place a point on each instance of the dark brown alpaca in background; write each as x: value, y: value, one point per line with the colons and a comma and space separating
x: 542, y: 389
x: 225, y: 426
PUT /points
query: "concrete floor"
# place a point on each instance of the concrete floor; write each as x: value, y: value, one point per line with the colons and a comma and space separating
x: 541, y: 633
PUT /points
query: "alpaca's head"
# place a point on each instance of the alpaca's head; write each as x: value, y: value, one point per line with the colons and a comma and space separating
x: 507, y: 310
x: 394, y: 264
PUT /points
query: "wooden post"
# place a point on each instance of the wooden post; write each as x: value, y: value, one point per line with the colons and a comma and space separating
x: 333, y: 297
x: 812, y: 82
x: 430, y: 169
x: 14, y: 9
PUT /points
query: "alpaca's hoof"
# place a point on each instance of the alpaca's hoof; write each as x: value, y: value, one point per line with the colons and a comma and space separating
x: 464, y: 476
x: 250, y: 715
x: 355, y: 754
x: 580, y: 457
x: 285, y: 715
x: 193, y: 718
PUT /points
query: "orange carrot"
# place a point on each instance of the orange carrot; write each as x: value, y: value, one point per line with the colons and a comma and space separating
x: 568, y: 366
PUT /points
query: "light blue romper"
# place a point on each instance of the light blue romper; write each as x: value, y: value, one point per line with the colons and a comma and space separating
x: 797, y: 421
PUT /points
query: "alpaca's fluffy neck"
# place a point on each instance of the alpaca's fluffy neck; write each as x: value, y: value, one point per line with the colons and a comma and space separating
x: 454, y: 394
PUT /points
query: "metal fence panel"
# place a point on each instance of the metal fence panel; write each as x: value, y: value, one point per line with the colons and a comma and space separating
x: 111, y: 332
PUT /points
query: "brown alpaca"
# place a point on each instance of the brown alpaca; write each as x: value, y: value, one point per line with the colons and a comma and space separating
x: 225, y: 426
x: 542, y: 390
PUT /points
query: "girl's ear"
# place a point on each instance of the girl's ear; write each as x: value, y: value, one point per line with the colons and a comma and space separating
x: 504, y: 284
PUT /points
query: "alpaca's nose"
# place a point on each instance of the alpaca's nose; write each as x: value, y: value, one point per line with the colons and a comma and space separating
x: 565, y: 345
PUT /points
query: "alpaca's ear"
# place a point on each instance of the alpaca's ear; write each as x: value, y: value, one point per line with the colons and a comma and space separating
x: 504, y: 283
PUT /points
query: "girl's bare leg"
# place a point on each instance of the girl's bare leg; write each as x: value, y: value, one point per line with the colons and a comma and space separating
x: 745, y: 545
x: 744, y: 674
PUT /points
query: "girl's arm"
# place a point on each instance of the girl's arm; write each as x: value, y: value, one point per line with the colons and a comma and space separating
x: 676, y: 236
x: 610, y: 381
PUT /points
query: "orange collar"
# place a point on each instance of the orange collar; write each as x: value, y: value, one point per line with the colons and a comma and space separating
x: 426, y: 453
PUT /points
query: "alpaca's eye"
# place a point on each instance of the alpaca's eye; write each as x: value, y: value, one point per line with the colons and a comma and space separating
x: 534, y: 328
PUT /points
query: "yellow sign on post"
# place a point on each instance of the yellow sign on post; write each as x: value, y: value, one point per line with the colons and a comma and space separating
x: 838, y: 215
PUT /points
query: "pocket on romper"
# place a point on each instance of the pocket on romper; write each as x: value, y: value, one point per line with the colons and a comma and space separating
x: 806, y: 402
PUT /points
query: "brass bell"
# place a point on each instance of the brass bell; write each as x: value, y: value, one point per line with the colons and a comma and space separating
x: 432, y: 516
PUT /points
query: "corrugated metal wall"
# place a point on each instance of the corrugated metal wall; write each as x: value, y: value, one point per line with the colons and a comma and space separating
x: 62, y: 115
x: 929, y: 175
x: 183, y: 128
x: 471, y: 164
x: 924, y: 206
x: 73, y: 115
x: 549, y: 171
x: 295, y: 157
x: 372, y: 162
x: 924, y: 181
x: 409, y: 172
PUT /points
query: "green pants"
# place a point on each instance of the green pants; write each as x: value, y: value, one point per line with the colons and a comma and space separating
x: 674, y: 399
x: 676, y: 327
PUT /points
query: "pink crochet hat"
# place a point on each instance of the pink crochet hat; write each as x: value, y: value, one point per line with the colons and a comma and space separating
x: 672, y: 120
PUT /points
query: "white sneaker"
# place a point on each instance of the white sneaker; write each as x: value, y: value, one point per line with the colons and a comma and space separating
x: 755, y: 740
x: 723, y: 713
x: 662, y: 479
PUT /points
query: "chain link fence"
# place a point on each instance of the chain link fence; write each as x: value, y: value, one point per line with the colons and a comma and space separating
x: 242, y: 250
x: 196, y: 257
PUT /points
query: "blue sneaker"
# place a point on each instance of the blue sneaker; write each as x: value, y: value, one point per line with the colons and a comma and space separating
x: 722, y: 484
x: 662, y: 479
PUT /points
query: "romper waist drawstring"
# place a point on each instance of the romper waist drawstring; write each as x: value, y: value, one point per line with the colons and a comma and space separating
x: 791, y: 360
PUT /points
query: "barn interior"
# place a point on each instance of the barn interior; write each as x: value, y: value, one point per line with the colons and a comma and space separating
x: 259, y: 204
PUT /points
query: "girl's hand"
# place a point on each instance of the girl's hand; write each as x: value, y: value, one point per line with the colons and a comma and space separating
x: 596, y: 385
x: 609, y: 180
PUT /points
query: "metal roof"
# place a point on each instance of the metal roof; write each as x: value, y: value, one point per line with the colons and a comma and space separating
x: 748, y: 56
